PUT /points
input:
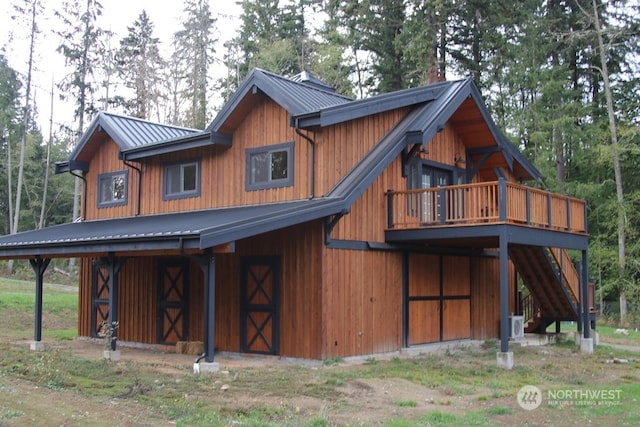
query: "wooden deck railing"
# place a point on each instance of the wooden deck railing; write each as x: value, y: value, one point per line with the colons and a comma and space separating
x: 481, y: 203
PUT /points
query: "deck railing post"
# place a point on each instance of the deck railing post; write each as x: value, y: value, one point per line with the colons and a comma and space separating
x: 442, y: 205
x: 549, y: 209
x: 389, y: 208
x: 502, y: 198
x: 568, y: 214
x: 528, y: 204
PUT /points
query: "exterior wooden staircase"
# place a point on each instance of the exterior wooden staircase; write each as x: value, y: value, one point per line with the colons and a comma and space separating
x: 553, y: 284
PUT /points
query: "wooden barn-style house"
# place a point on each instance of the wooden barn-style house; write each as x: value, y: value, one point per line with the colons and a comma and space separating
x: 306, y: 224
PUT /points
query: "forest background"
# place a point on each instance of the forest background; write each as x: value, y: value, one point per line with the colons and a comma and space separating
x: 561, y: 79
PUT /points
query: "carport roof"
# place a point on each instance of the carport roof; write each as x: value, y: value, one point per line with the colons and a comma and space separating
x: 196, y: 230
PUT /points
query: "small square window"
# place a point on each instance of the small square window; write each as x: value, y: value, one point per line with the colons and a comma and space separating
x: 269, y: 167
x: 182, y: 180
x: 112, y: 189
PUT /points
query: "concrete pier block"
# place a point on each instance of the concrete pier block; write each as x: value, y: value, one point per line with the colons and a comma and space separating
x: 206, y: 367
x: 37, y: 346
x: 586, y: 345
x: 112, y: 355
x: 505, y: 359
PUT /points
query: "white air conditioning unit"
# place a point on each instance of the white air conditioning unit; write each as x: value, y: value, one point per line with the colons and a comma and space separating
x: 516, y: 326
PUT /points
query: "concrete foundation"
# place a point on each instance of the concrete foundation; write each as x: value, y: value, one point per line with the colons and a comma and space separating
x: 113, y: 355
x: 586, y: 345
x: 596, y: 337
x: 37, y: 346
x: 206, y: 367
x: 505, y: 359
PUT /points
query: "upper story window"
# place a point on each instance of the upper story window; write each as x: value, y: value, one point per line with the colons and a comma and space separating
x: 112, y: 189
x: 269, y: 167
x: 182, y: 180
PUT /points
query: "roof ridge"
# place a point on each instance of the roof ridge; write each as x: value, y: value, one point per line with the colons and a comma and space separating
x: 138, y: 119
x: 306, y: 86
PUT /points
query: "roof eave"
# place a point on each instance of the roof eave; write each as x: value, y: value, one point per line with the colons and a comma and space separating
x: 83, y: 247
x: 178, y: 144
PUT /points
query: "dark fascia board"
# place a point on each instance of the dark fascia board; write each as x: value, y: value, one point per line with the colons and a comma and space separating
x: 362, y: 175
x: 66, y: 249
x: 202, y: 139
x: 365, y: 107
x: 71, y: 165
x: 285, y: 217
x: 434, y: 118
x: 95, y: 125
x: 229, y: 107
x: 509, y: 150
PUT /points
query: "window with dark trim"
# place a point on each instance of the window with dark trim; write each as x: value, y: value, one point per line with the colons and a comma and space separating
x: 112, y: 189
x: 269, y: 167
x: 181, y: 180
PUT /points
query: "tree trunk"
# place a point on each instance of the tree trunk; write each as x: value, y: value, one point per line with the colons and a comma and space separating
x: 617, y: 168
x: 25, y: 129
x: 46, y: 166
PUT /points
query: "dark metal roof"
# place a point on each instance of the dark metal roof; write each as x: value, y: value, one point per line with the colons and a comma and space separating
x: 174, y: 231
x: 208, y: 228
x: 374, y: 105
x: 296, y: 97
x: 195, y: 140
x: 129, y: 132
x: 309, y: 79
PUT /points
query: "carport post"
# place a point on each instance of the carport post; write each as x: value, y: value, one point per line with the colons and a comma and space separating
x: 208, y: 266
x: 210, y: 301
x: 39, y: 266
x: 114, y: 264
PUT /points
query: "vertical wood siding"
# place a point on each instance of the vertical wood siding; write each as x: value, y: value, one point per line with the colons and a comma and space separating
x: 300, y: 249
x: 361, y: 308
x: 485, y: 297
x: 368, y: 216
x: 106, y: 160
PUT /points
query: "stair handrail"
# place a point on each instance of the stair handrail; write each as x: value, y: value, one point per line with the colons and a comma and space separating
x: 569, y: 275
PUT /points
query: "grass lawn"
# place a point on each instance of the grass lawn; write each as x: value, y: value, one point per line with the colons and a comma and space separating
x: 462, y: 387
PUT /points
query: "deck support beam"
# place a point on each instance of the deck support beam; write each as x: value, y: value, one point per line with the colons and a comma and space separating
x: 208, y: 266
x: 586, y: 343
x: 39, y: 266
x: 504, y: 356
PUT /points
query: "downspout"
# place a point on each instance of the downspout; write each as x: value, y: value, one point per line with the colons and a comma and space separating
x: 84, y: 193
x: 137, y: 169
x: 312, y: 152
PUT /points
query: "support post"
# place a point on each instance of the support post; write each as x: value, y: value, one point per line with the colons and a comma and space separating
x: 39, y: 266
x: 502, y: 201
x: 114, y: 264
x: 586, y: 343
x: 504, y: 356
x: 578, y: 267
x: 208, y: 266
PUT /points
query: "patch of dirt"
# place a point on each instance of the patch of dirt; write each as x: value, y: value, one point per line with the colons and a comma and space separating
x: 353, y: 401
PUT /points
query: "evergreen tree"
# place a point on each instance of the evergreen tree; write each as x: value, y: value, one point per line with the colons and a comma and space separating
x: 194, y: 47
x: 10, y: 119
x: 139, y: 65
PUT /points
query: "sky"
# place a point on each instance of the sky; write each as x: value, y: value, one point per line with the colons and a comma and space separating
x: 117, y: 15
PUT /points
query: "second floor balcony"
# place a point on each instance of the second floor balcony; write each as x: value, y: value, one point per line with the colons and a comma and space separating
x: 486, y: 203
